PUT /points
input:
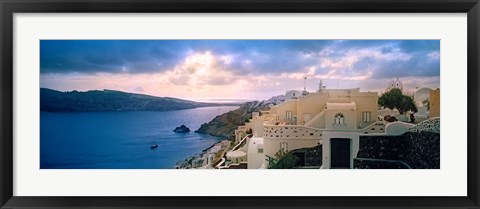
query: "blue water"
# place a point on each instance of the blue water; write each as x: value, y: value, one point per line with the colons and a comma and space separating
x: 122, y: 140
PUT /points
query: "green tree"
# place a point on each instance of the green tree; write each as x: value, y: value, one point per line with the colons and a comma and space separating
x: 282, y: 160
x: 395, y: 99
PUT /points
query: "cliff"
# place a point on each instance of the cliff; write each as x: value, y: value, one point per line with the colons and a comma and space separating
x: 224, y: 125
x: 109, y: 100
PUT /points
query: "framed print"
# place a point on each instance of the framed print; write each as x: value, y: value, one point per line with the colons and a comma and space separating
x: 197, y: 104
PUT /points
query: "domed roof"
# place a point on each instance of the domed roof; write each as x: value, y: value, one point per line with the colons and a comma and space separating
x: 395, y: 84
x: 304, y: 92
x: 421, y: 95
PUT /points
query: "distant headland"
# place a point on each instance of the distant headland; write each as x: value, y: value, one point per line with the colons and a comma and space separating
x: 111, y: 100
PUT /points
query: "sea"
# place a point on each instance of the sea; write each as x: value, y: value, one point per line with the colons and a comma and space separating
x: 123, y: 140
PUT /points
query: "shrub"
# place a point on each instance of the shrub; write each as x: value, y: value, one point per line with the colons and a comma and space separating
x: 282, y: 160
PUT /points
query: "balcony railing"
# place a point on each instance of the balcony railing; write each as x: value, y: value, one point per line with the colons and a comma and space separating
x: 291, y: 131
x: 302, y: 132
x: 242, y: 142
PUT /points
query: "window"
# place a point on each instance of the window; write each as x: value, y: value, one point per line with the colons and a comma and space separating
x: 339, y: 119
x: 260, y: 150
x: 284, y: 146
x: 293, y: 94
x: 366, y: 116
x: 288, y: 115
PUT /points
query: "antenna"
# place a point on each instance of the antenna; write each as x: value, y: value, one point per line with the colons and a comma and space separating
x: 305, y: 84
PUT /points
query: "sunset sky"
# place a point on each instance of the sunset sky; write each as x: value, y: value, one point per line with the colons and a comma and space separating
x: 240, y: 69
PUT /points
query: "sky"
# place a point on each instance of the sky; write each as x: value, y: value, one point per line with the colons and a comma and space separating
x: 236, y: 69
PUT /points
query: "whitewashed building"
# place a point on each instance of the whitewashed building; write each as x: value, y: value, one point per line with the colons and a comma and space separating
x: 334, y: 118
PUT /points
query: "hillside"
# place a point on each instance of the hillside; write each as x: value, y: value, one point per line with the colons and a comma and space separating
x: 109, y: 100
x: 224, y: 125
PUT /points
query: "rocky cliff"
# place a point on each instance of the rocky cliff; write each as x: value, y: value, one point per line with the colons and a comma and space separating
x: 109, y: 100
x: 224, y: 125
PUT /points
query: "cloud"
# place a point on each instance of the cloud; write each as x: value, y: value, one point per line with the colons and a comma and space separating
x: 106, y: 56
x: 420, y: 65
x: 377, y: 62
x: 238, y: 56
x: 201, y: 67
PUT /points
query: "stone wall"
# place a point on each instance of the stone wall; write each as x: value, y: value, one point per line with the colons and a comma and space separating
x: 382, y: 147
x: 423, y: 150
x: 420, y: 150
x: 431, y: 125
x: 313, y: 156
x: 377, y: 164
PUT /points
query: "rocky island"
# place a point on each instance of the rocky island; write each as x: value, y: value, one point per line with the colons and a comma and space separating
x: 181, y: 129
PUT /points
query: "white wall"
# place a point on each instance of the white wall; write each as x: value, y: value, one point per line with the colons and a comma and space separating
x: 290, y: 105
x: 257, y: 127
x: 318, y: 121
x: 292, y: 94
x: 397, y: 128
x: 350, y: 117
x: 254, y: 158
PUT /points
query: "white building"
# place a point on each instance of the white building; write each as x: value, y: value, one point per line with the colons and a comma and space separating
x: 395, y: 84
x: 334, y: 118
x: 292, y: 94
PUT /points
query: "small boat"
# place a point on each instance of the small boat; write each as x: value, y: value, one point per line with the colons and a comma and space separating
x: 153, y: 146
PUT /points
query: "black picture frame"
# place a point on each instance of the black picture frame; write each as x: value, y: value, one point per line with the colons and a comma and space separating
x: 10, y: 7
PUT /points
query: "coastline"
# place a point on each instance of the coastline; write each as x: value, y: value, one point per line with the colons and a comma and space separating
x: 200, y: 160
x: 222, y: 126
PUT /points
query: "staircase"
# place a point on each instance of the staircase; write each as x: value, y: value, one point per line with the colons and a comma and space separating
x: 315, y: 121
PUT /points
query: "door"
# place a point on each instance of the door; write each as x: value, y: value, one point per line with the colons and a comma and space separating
x: 340, y: 152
